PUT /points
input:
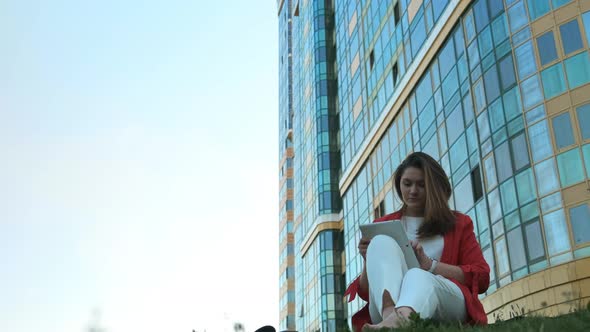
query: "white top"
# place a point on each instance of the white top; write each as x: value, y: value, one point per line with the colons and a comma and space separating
x: 433, y: 246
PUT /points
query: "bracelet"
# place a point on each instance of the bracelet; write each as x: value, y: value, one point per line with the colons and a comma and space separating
x: 433, y: 266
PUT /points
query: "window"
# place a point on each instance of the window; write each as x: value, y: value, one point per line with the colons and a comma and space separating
x: 446, y: 58
x: 584, y: 120
x: 559, y: 3
x: 586, y: 20
x: 539, y: 141
x: 580, y: 220
x: 525, y: 187
x: 394, y: 74
x: 477, y: 187
x: 551, y: 202
x: 463, y: 195
x: 531, y: 92
x: 546, y: 48
x: 495, y: 207
x: 520, y: 152
x: 534, y: 239
x: 571, y: 38
x: 503, y: 163
x: 538, y: 8
x: 496, y: 112
x: 556, y: 232
x: 578, y: 70
x: 507, y: 76
x: 563, y: 131
x: 482, y: 18
x: 546, y: 176
x: 491, y: 84
x: 525, y: 60
x: 490, y: 172
x: 502, y: 257
x: 455, y: 124
x: 396, y: 13
x: 553, y: 81
x: 516, y: 249
x: 495, y: 7
x: 517, y: 16
x: 508, y: 196
x: 371, y: 59
x: 570, y: 168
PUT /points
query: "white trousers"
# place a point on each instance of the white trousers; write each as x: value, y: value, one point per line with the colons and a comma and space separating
x: 430, y: 295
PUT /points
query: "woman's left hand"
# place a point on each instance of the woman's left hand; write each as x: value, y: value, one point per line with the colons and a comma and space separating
x: 424, y: 261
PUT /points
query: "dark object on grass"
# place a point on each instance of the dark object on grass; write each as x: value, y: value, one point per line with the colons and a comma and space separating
x: 266, y: 328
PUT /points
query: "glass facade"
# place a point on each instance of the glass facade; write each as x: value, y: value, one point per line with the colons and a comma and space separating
x: 502, y: 102
x: 286, y: 180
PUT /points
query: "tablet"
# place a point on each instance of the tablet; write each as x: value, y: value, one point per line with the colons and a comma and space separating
x: 395, y: 230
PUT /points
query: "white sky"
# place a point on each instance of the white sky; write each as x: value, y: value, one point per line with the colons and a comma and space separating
x: 138, y: 165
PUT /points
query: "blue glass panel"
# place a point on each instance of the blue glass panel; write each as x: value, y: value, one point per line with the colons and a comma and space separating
x: 538, y: 8
x: 553, y: 81
x: 455, y: 124
x: 535, y: 114
x: 503, y: 162
x: 556, y: 232
x: 496, y: 113
x: 512, y: 106
x: 500, y: 28
x: 578, y: 70
x: 458, y: 153
x: 586, y: 20
x: 559, y: 3
x: 469, y: 26
x: 546, y: 176
x: 584, y: 121
x: 571, y: 37
x: 480, y: 11
x: 450, y: 85
x: 535, y: 241
x: 520, y: 151
x: 516, y: 249
x: 485, y: 42
x: 418, y: 35
x: 580, y: 220
x: 507, y: 72
x: 508, y: 195
x: 521, y: 36
x: 491, y: 84
x: 531, y: 92
x: 570, y: 168
x: 525, y: 60
x: 546, y: 48
x: 517, y: 16
x: 525, y: 184
x: 562, y: 130
x: 540, y: 141
x: 446, y: 58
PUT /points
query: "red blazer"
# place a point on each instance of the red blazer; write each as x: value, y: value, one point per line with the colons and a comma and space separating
x: 460, y: 249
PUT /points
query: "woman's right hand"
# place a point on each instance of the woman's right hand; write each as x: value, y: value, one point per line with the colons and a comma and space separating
x: 363, y: 245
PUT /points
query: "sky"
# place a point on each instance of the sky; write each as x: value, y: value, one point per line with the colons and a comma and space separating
x: 138, y: 165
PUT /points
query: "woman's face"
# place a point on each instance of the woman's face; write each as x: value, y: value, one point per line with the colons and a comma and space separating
x: 412, y: 188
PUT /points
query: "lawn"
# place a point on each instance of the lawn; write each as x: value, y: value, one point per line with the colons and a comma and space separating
x: 577, y: 321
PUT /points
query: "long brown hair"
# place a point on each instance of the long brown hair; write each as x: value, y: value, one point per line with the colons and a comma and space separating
x: 438, y: 217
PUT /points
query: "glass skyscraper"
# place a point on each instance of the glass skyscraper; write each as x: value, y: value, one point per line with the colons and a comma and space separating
x: 497, y: 90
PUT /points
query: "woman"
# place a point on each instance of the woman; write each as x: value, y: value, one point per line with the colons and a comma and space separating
x: 452, y: 269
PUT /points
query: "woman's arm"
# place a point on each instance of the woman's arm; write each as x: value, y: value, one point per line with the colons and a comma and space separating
x: 450, y: 272
x: 446, y: 270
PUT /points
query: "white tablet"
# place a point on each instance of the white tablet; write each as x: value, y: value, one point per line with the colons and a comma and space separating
x: 395, y: 230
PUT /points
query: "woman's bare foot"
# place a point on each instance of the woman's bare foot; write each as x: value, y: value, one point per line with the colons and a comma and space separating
x: 393, y: 320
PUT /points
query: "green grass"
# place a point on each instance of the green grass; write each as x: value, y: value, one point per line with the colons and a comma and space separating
x: 577, y: 321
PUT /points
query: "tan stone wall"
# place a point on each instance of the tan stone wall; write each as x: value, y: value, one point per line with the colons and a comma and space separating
x: 551, y: 292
